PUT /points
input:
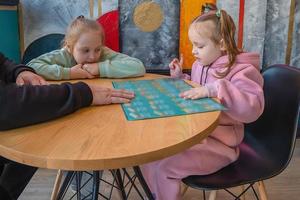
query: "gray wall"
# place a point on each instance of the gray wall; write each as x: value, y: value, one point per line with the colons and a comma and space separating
x: 265, y: 30
x: 156, y: 49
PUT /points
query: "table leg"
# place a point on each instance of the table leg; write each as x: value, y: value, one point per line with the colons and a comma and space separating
x: 78, y: 184
x: 65, y: 185
x: 95, y: 185
x: 143, y: 183
x: 120, y: 183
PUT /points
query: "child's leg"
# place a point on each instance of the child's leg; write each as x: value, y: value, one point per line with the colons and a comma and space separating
x: 164, y: 176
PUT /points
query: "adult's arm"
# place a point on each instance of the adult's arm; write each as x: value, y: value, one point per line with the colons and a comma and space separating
x: 9, y: 70
x: 25, y: 105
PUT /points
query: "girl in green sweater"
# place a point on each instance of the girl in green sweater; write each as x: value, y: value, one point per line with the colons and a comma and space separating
x: 84, y: 56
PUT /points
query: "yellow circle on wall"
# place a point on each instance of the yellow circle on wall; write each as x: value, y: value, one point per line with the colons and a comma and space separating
x: 148, y: 16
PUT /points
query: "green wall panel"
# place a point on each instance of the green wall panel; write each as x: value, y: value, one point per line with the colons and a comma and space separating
x: 9, y: 34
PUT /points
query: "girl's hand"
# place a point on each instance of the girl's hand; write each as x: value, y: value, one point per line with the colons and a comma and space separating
x: 102, y: 95
x: 92, y: 68
x: 176, y: 67
x: 195, y: 93
x: 77, y: 72
x: 28, y: 77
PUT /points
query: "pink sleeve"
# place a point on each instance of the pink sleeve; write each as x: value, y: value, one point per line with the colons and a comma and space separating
x: 185, y: 77
x: 242, y: 95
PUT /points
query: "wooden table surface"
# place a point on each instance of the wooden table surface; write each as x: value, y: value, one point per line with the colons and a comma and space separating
x: 100, y: 137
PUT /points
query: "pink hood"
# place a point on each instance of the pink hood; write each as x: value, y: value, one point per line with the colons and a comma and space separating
x: 242, y: 58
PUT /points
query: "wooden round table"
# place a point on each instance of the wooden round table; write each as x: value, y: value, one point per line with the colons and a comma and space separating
x: 97, y: 138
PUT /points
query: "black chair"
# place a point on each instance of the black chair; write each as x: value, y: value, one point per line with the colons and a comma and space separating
x: 42, y: 45
x: 269, y: 142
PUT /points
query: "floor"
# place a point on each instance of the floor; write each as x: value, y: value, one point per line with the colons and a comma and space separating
x: 284, y: 186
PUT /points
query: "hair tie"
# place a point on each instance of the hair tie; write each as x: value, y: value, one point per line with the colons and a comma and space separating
x: 218, y: 13
x: 206, y: 8
x: 80, y: 17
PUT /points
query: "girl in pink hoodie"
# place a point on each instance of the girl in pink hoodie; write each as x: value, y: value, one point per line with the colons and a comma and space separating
x: 224, y: 72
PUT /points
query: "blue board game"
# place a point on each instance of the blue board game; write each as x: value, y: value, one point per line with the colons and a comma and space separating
x: 160, y: 98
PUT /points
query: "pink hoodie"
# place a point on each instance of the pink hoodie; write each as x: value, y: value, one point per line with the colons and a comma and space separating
x: 240, y: 92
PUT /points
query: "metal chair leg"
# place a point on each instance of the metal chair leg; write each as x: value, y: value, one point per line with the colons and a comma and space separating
x: 56, y: 185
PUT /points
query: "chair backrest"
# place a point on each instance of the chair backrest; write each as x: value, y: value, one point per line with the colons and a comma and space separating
x: 277, y: 126
x: 42, y: 45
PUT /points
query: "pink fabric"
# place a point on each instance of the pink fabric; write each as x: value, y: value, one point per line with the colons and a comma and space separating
x: 241, y: 93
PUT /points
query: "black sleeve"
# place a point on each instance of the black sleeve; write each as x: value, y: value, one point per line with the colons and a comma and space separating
x: 9, y: 70
x: 25, y: 105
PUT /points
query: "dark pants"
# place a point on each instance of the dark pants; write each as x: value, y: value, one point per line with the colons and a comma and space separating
x: 13, y: 178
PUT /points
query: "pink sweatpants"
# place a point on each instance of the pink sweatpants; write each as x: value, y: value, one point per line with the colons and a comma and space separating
x: 164, y: 176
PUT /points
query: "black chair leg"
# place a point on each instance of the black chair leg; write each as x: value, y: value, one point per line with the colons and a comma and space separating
x: 255, y: 193
x: 204, y: 196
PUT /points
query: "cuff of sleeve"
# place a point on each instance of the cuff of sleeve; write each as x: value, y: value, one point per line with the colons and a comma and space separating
x: 66, y: 73
x: 103, y: 69
x: 20, y: 69
x: 185, y: 77
x: 86, y: 96
x: 212, y: 89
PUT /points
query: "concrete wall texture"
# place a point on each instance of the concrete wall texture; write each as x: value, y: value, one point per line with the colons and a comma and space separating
x: 265, y: 23
x: 266, y: 28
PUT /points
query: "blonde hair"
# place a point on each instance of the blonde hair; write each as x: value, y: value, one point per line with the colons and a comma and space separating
x: 224, y: 30
x: 77, y: 27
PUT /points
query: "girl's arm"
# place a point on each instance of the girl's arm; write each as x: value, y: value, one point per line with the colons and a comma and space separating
x: 117, y: 65
x: 176, y: 69
x: 54, y: 65
x: 242, y: 95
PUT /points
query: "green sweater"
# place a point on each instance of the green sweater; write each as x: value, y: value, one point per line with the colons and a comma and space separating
x: 56, y: 65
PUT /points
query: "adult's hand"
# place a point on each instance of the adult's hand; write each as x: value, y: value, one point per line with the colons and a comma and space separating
x: 102, y: 95
x: 28, y: 77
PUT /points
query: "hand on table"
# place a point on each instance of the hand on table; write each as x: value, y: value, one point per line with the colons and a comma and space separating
x: 195, y: 93
x: 102, y: 95
x: 28, y: 77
